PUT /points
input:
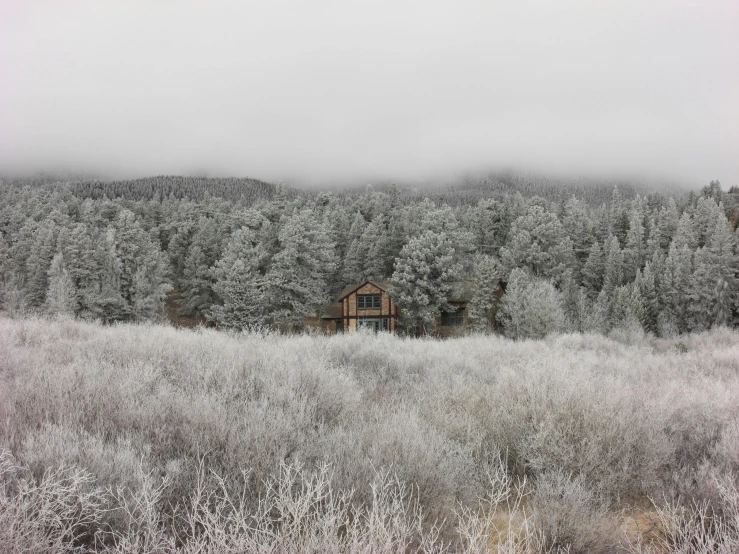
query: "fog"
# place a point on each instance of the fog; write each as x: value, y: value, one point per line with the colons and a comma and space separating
x: 326, y: 92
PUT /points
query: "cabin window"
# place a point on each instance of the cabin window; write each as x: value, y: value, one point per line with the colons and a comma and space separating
x: 369, y: 301
x: 453, y: 319
x: 373, y: 323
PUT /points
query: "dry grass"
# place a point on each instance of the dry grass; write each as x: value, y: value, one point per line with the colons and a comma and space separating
x: 163, y: 425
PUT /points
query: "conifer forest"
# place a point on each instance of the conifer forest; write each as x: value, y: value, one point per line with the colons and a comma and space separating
x: 240, y: 253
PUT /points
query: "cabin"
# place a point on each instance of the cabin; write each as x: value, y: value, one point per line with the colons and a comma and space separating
x: 369, y: 305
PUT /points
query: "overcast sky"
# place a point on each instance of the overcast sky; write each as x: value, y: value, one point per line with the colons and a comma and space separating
x: 325, y: 91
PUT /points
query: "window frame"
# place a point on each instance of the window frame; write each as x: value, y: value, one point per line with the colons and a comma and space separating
x: 374, y: 306
x: 452, y: 319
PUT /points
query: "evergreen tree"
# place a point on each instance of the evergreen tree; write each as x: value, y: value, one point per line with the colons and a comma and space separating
x: 593, y: 271
x: 240, y: 282
x: 486, y: 283
x: 613, y: 273
x: 109, y: 303
x: 355, y: 256
x: 296, y: 285
x: 421, y: 281
x: 38, y: 264
x: 675, y: 287
x: 537, y: 242
x: 685, y: 233
x: 488, y: 222
x: 61, y: 296
x: 646, y: 285
x: 635, y: 252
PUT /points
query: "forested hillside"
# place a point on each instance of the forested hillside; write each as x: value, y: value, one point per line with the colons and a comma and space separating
x: 240, y: 252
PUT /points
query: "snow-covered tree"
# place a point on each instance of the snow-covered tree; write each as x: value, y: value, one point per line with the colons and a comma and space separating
x: 296, y: 285
x: 240, y: 282
x: 593, y: 271
x: 537, y: 242
x: 421, y: 281
x: 61, y: 295
x: 486, y: 282
x: 613, y: 272
x: 531, y: 307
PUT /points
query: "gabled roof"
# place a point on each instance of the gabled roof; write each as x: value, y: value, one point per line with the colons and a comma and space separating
x: 347, y: 290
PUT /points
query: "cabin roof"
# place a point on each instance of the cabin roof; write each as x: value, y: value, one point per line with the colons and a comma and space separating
x: 347, y: 290
x: 334, y: 311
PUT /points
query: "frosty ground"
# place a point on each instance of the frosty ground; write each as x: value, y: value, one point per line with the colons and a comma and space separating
x: 146, y: 438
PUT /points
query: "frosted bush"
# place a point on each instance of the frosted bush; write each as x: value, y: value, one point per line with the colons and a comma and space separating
x: 155, y: 417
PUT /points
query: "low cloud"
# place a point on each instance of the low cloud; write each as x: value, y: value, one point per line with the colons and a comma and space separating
x: 329, y: 92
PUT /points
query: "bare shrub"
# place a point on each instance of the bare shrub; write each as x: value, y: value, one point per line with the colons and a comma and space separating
x: 145, y: 409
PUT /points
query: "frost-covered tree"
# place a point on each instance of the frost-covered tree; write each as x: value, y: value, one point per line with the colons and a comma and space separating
x: 61, y: 295
x: 240, y: 282
x: 593, y: 271
x: 38, y: 263
x: 537, y: 242
x: 355, y: 257
x: 676, y: 284
x: 646, y: 285
x: 685, y: 233
x: 197, y: 277
x: 488, y: 222
x: 613, y: 272
x: 577, y: 225
x: 531, y: 307
x: 296, y: 285
x: 486, y: 283
x: 108, y: 303
x: 421, y: 281
x: 635, y: 251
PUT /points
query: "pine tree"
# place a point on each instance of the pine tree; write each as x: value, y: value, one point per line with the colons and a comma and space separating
x: 421, y: 281
x: 355, y: 257
x: 537, y: 242
x: 597, y: 319
x: 722, y: 249
x: 296, y: 285
x: 613, y: 273
x: 240, y: 282
x: 647, y: 287
x: 593, y: 271
x: 685, y: 234
x: 488, y: 222
x: 239, y: 287
x: 197, y: 280
x: 634, y: 252
x: 486, y: 283
x: 109, y: 303
x: 675, y: 287
x: 38, y: 264
x: 61, y: 295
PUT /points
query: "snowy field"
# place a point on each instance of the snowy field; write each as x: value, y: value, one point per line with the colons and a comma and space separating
x: 145, y: 438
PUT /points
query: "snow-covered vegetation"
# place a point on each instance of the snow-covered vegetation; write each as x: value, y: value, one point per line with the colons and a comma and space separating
x: 145, y: 438
x: 240, y: 254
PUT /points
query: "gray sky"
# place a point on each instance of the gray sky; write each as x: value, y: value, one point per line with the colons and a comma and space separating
x: 327, y: 92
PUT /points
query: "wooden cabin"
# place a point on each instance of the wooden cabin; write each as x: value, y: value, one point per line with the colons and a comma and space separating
x: 368, y: 305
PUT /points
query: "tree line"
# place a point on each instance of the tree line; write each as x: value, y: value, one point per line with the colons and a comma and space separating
x: 275, y: 256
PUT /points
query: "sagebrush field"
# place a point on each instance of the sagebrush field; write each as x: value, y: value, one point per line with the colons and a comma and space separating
x: 145, y: 438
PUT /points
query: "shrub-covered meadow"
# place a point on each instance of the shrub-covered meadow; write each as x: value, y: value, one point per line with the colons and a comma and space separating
x: 146, y: 438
